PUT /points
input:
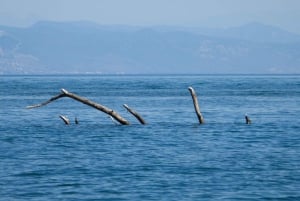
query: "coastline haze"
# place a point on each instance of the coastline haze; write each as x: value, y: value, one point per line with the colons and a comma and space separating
x: 212, y: 14
x: 149, y: 37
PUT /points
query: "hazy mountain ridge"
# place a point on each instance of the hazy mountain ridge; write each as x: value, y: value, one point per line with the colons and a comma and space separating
x: 80, y: 47
x: 255, y: 32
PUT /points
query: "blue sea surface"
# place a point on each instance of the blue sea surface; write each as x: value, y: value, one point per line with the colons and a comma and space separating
x: 170, y: 158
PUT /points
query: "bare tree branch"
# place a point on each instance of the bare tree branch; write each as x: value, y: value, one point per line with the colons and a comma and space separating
x: 135, y: 114
x: 196, y: 105
x: 47, y: 102
x: 85, y: 101
x: 65, y: 119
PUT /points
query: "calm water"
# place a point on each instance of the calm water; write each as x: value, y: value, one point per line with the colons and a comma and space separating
x: 170, y: 158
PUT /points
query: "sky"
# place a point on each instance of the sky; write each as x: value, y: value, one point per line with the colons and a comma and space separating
x: 201, y: 13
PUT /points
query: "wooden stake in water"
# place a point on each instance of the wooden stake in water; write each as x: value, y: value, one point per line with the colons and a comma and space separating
x: 196, y: 105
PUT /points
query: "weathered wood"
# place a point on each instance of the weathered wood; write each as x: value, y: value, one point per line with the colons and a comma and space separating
x: 248, y: 120
x: 135, y: 114
x: 85, y: 101
x: 196, y: 105
x: 65, y: 119
x: 46, y: 102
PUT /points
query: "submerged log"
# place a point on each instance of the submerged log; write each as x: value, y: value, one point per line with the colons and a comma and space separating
x: 65, y: 119
x: 196, y: 105
x: 85, y: 101
x: 135, y: 114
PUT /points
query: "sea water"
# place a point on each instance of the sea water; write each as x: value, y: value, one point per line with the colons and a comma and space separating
x: 172, y: 157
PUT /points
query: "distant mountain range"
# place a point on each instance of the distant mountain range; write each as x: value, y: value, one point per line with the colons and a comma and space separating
x: 85, y: 47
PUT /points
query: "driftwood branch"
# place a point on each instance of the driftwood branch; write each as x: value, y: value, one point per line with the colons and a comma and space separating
x: 46, y: 102
x: 135, y: 114
x: 196, y: 105
x: 65, y: 93
x: 65, y: 119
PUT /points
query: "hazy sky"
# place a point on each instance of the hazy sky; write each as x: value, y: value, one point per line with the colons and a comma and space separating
x: 204, y: 13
